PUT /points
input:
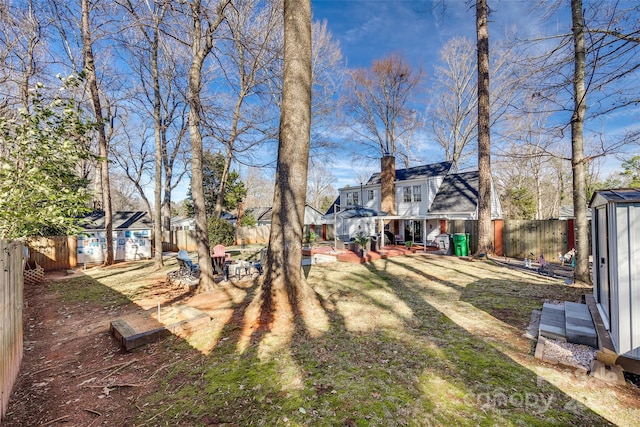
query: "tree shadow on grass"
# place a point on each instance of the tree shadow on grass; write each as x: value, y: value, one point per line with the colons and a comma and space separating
x: 471, y: 365
x: 388, y: 357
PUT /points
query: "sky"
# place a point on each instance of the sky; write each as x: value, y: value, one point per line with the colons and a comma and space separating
x: 371, y: 29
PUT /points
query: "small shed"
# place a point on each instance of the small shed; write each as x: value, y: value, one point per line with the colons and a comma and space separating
x: 616, y: 266
x: 131, y: 237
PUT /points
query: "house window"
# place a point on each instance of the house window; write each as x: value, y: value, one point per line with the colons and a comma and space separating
x: 406, y: 194
x: 417, y: 193
x: 412, y: 193
x: 352, y: 198
x: 370, y: 194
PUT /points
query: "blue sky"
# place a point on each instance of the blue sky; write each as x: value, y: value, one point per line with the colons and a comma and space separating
x: 371, y: 29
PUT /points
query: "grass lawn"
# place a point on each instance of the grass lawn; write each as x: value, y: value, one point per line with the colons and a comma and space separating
x: 415, y: 340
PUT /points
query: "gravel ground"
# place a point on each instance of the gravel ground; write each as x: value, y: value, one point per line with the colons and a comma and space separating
x: 569, y: 354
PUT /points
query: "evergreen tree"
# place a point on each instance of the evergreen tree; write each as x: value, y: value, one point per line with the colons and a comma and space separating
x: 41, y: 192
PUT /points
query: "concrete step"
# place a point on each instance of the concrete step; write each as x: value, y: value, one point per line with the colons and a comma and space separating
x: 552, y: 322
x: 579, y: 326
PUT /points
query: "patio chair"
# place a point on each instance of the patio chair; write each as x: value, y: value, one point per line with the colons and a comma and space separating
x: 261, y: 261
x: 398, y: 239
x: 219, y: 258
x: 185, y: 263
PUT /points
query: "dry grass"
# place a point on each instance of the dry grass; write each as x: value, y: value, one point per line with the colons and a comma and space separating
x: 406, y: 341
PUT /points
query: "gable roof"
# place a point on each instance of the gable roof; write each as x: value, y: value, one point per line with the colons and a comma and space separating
x: 458, y: 193
x: 416, y: 172
x: 618, y: 195
x: 120, y: 220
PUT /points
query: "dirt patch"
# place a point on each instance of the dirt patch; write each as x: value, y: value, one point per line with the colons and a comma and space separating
x: 73, y: 371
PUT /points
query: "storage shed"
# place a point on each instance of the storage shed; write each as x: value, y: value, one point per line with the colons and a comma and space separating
x: 131, y: 237
x: 616, y: 266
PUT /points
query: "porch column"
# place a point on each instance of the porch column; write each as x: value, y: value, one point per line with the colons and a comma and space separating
x: 424, y: 235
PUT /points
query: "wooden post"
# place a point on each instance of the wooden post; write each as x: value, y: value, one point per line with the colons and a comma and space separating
x: 498, y: 226
x: 571, y: 234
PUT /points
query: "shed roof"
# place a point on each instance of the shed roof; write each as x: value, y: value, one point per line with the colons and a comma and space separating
x: 423, y: 171
x: 618, y: 195
x: 458, y: 193
x: 121, y: 220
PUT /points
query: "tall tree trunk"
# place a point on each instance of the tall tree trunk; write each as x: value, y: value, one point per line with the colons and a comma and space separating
x: 201, y: 47
x: 158, y: 133
x: 217, y: 212
x: 485, y: 240
x: 92, y: 82
x: 577, y: 146
x: 284, y: 255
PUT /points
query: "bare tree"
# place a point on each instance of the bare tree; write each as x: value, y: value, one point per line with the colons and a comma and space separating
x: 203, y: 29
x: 328, y: 72
x: 531, y: 159
x: 597, y: 60
x: 320, y: 185
x: 253, y: 26
x: 135, y: 161
x: 92, y: 83
x: 124, y: 194
x: 21, y: 46
x: 485, y: 241
x: 380, y: 101
x: 452, y: 112
x: 577, y: 144
x: 284, y: 256
x: 259, y: 187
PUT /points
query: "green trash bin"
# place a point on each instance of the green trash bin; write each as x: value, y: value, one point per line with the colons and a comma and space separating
x: 460, y: 244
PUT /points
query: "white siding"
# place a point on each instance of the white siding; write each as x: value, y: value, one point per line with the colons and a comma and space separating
x: 432, y: 186
x: 414, y: 208
x: 626, y: 304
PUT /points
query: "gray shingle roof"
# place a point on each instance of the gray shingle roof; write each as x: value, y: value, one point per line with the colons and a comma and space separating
x: 424, y: 171
x: 618, y: 195
x: 120, y: 220
x: 458, y: 193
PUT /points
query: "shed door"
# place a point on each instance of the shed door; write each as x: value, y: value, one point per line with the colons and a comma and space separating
x: 601, y: 262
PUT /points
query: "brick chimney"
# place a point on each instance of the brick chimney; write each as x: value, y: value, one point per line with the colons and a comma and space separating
x: 387, y: 184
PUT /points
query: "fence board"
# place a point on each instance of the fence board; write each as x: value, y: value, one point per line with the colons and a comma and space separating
x: 11, y: 300
x: 525, y: 237
x: 519, y: 239
x: 53, y: 253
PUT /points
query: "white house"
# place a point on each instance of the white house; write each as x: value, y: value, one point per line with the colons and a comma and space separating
x: 420, y: 197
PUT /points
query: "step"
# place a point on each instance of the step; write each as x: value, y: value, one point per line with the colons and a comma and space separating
x: 579, y: 325
x: 552, y: 322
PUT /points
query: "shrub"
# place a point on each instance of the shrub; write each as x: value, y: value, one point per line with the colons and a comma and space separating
x: 221, y: 232
x: 247, y: 220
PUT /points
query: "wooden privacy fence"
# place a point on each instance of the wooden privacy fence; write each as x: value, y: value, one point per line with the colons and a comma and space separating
x: 512, y: 238
x: 520, y: 238
x: 11, y: 287
x: 53, y: 253
x: 175, y: 240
